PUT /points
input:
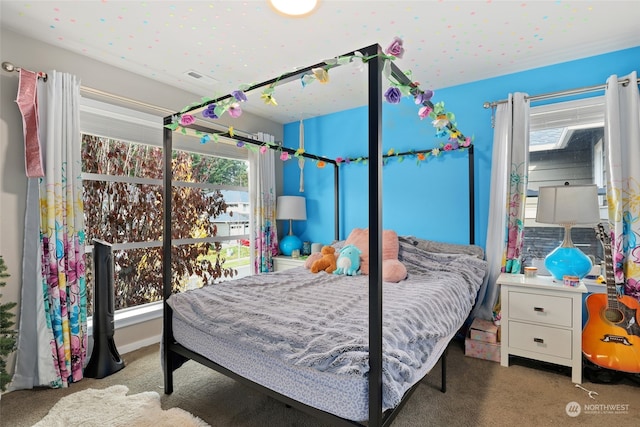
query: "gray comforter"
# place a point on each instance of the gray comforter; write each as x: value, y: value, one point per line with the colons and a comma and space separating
x: 320, y: 320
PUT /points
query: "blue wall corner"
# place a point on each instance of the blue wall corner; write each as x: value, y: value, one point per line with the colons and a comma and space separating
x: 429, y: 199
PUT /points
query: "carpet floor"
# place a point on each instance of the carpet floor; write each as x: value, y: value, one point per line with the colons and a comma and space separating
x: 479, y: 393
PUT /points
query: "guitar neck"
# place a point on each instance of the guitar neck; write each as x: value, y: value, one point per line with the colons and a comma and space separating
x: 612, y: 293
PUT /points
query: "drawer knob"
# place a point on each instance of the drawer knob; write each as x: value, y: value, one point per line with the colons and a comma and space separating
x: 539, y: 309
x: 538, y: 340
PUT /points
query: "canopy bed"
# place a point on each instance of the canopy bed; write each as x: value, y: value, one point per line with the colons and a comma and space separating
x: 339, y: 359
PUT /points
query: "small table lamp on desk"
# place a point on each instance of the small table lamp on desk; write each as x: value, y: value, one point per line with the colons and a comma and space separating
x: 291, y: 208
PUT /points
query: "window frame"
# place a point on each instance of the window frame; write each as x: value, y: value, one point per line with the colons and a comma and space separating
x: 116, y: 122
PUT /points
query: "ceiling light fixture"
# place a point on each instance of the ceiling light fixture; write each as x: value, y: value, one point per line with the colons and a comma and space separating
x: 296, y: 8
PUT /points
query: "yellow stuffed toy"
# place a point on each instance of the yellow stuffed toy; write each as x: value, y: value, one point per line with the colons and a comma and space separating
x: 327, y: 262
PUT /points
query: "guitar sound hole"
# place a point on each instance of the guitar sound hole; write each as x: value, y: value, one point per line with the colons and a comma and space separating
x: 613, y: 315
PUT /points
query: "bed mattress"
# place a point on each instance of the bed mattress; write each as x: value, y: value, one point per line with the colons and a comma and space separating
x: 305, y: 335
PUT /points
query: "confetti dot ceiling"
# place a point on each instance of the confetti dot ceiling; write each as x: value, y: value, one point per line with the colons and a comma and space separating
x: 237, y: 42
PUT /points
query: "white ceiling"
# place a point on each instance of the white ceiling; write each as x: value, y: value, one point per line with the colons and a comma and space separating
x: 238, y: 42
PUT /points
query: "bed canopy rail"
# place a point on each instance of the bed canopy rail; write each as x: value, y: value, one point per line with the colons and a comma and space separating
x: 172, y: 351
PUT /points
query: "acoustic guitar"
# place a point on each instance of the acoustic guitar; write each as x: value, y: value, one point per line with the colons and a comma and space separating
x: 611, y: 336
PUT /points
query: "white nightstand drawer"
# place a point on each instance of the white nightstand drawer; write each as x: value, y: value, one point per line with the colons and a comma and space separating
x: 538, y: 308
x: 540, y: 339
x: 281, y: 263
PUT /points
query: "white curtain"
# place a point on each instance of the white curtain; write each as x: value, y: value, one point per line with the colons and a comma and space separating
x: 52, y: 341
x: 505, y: 226
x: 262, y: 194
x: 622, y: 139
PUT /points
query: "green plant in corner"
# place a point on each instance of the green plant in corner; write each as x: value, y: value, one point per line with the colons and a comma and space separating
x: 7, y: 333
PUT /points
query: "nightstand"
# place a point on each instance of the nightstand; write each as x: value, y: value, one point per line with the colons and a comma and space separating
x: 282, y: 262
x: 541, y: 320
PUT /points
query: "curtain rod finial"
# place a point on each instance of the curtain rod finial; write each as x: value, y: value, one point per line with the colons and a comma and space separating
x: 8, y: 66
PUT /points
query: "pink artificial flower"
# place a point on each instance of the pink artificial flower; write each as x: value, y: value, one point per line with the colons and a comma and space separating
x: 284, y: 156
x: 447, y: 147
x: 424, y: 112
x: 467, y: 142
x: 235, y: 111
x: 187, y: 119
x: 263, y: 149
x: 395, y: 48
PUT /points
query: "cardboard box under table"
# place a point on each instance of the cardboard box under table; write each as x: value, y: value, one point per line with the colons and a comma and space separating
x: 483, y: 341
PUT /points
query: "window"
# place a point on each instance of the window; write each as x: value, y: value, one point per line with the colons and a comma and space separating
x: 123, y: 200
x: 566, y: 145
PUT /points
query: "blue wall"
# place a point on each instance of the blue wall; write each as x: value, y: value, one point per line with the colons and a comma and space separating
x: 427, y: 200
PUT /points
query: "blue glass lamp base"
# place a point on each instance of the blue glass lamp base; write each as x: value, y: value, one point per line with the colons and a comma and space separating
x: 567, y: 262
x: 289, y: 243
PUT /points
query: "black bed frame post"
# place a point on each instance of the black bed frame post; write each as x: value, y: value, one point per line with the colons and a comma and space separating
x: 167, y: 327
x: 336, y: 198
x: 375, y: 235
x: 472, y: 211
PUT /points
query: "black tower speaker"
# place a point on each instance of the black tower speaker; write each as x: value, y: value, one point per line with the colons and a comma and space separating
x: 105, y: 359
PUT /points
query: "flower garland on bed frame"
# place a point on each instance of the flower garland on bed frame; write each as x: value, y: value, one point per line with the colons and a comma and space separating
x: 441, y: 120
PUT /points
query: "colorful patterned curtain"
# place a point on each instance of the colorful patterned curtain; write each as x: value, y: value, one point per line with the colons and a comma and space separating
x: 52, y: 346
x: 517, y: 183
x: 262, y: 189
x: 622, y: 140
x: 510, y: 160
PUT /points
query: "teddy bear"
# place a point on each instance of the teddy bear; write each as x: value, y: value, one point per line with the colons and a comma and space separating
x: 348, y: 261
x: 327, y: 262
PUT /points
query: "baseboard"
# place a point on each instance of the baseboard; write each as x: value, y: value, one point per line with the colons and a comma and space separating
x: 139, y: 344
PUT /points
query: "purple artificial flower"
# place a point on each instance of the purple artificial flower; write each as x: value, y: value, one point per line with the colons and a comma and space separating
x: 187, y: 119
x: 239, y: 95
x: 209, y: 112
x: 395, y: 48
x: 423, y: 97
x: 393, y: 95
x: 239, y: 144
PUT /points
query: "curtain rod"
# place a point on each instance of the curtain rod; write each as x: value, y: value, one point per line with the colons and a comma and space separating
x: 9, y: 67
x: 561, y: 93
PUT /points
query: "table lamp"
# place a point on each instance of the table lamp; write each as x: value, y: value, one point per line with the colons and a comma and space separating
x: 290, y: 208
x: 568, y: 205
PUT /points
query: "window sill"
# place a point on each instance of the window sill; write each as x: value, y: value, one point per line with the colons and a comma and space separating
x: 132, y: 316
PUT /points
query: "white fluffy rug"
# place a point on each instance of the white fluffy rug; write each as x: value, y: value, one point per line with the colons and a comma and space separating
x: 112, y: 407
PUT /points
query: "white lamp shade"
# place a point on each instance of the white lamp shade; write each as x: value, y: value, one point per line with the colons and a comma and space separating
x: 291, y: 207
x: 568, y: 205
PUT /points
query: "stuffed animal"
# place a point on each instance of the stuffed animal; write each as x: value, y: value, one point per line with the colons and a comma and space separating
x: 393, y: 270
x: 311, y: 259
x: 327, y: 262
x: 348, y: 261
